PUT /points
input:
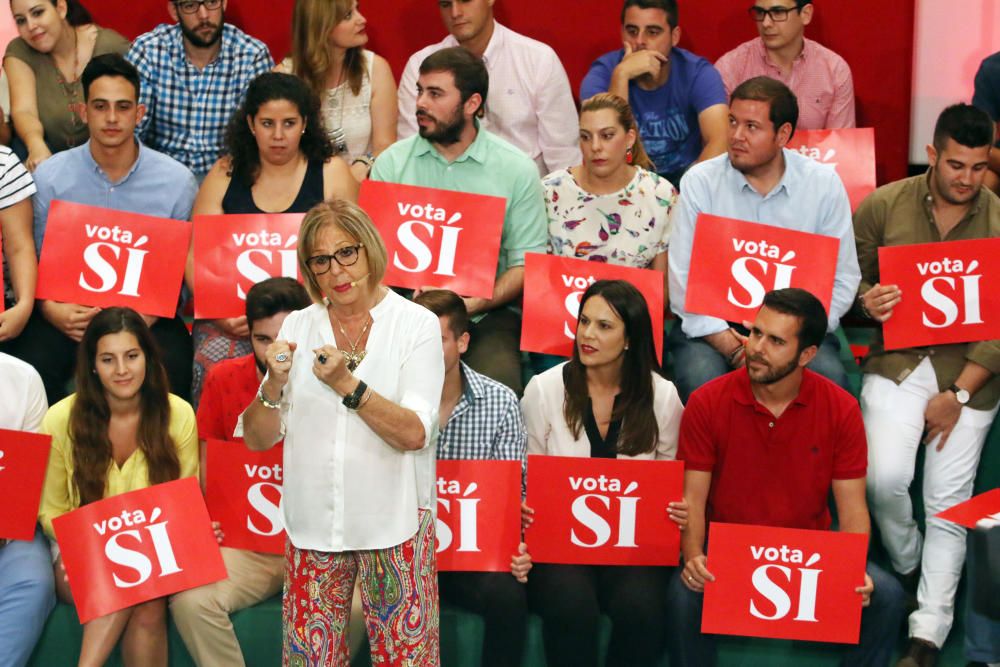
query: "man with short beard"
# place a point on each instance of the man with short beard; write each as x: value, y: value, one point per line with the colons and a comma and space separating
x: 453, y: 152
x: 194, y: 73
x: 944, y: 396
x: 767, y: 445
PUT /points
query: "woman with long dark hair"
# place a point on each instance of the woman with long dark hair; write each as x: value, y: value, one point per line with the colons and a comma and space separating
x: 279, y: 160
x: 57, y: 40
x: 608, y: 401
x: 119, y: 432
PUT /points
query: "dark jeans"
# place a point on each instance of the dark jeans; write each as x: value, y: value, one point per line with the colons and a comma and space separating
x: 570, y: 599
x: 880, y: 624
x: 696, y: 362
x: 54, y: 355
x: 503, y: 604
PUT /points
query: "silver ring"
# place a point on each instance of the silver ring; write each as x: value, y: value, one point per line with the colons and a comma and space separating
x: 322, y: 358
x: 281, y: 356
x: 691, y: 579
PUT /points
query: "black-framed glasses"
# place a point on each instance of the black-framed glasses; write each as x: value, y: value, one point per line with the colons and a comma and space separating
x: 191, y: 6
x: 346, y: 256
x: 777, y: 14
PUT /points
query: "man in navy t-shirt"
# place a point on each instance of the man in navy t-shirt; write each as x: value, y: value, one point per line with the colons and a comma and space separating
x: 678, y: 98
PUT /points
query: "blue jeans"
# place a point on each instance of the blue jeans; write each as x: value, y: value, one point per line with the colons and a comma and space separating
x: 27, y: 595
x: 880, y: 623
x: 696, y: 362
x: 982, y: 633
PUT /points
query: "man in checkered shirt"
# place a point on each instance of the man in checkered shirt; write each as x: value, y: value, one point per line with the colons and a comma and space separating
x: 480, y: 419
x: 194, y: 73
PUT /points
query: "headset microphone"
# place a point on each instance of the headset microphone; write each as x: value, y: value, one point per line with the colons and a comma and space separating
x: 354, y: 283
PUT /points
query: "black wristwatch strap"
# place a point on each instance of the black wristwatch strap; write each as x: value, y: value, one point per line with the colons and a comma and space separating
x: 353, y: 400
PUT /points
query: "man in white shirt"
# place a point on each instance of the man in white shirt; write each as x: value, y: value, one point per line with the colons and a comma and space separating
x: 531, y: 103
x: 27, y: 591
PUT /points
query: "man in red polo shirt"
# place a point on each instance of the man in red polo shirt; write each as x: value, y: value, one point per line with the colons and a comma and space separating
x: 765, y: 445
x: 202, y: 614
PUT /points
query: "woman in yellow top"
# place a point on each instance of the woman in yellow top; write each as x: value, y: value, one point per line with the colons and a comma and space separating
x: 119, y: 432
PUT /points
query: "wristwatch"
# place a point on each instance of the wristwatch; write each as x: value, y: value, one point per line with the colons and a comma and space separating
x: 353, y: 400
x: 961, y: 394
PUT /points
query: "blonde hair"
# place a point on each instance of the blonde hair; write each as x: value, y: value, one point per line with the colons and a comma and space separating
x: 626, y: 119
x: 349, y: 217
x: 312, y: 23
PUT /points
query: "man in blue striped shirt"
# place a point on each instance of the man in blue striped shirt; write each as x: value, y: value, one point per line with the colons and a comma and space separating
x: 480, y: 419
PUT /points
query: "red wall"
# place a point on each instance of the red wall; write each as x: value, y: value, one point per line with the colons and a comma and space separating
x: 876, y: 39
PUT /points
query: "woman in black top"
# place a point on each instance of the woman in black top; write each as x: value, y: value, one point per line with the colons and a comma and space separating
x: 278, y: 160
x: 608, y: 401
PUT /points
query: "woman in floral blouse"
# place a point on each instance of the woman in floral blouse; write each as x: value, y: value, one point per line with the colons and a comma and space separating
x: 613, y: 207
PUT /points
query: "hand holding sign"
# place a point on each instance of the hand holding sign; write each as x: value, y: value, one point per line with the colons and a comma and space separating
x: 879, y: 301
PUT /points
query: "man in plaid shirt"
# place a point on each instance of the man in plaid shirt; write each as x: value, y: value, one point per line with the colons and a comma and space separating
x: 194, y: 73
x: 480, y: 419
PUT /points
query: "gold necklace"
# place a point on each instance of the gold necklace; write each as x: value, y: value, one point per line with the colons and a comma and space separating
x: 353, y: 358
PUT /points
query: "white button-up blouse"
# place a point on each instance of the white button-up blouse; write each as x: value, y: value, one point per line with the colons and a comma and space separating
x: 344, y: 488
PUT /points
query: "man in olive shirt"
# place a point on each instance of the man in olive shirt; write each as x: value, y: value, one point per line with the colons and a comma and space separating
x: 949, y: 392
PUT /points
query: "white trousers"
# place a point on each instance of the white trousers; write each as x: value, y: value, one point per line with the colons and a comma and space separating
x: 894, y: 424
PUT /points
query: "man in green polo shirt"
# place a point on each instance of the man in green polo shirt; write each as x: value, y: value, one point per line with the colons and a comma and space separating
x: 452, y: 152
x: 944, y: 395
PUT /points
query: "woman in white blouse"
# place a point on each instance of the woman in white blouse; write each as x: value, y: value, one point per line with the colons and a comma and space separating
x: 353, y: 385
x: 607, y: 401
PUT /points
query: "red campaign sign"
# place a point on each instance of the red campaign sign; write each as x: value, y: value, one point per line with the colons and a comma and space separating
x: 23, y: 459
x: 784, y: 583
x: 603, y: 511
x: 243, y: 492
x: 552, y: 290
x: 851, y: 151
x: 478, y: 514
x: 735, y: 262
x: 437, y: 238
x: 949, y: 292
x: 138, y: 546
x: 103, y: 257
x: 973, y: 510
x: 234, y: 252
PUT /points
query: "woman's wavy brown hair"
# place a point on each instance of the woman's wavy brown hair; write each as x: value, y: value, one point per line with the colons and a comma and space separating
x: 312, y: 23
x: 90, y: 416
x: 634, y: 407
x: 626, y: 119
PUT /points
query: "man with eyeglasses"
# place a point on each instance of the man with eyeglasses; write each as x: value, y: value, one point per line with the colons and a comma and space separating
x: 677, y: 97
x: 194, y: 74
x: 820, y: 79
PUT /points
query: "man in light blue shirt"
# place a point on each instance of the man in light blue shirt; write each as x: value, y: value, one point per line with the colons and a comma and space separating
x: 757, y: 180
x: 453, y: 152
x: 112, y: 170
